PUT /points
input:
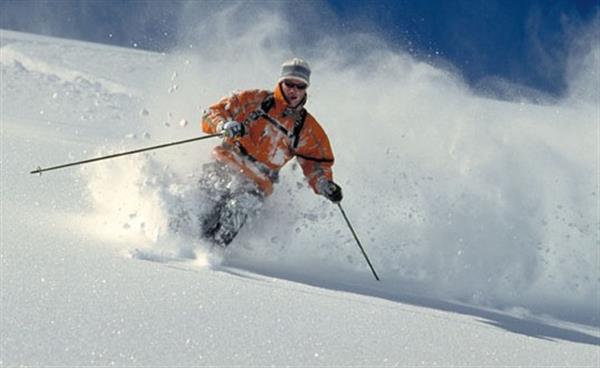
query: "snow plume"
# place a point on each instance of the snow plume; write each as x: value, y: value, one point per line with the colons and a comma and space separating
x: 140, y: 203
x: 455, y: 196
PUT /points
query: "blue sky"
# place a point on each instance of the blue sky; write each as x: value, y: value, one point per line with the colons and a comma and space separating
x: 521, y: 41
x: 506, y: 38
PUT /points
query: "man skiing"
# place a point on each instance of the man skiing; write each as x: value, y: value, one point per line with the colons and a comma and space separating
x: 262, y: 131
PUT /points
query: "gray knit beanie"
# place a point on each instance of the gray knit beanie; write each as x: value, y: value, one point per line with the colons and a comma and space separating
x: 295, y: 68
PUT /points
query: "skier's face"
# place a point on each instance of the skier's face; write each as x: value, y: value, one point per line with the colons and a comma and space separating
x: 294, y: 91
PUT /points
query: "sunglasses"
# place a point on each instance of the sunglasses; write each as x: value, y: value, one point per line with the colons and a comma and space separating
x: 300, y: 86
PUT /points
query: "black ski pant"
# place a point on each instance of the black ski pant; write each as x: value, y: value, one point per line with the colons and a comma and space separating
x: 231, y: 200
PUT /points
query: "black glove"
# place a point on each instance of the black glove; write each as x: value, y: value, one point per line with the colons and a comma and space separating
x: 330, y: 190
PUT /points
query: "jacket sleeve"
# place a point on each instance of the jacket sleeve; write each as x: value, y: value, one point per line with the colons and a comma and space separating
x: 314, y: 153
x: 224, y: 110
x: 237, y: 106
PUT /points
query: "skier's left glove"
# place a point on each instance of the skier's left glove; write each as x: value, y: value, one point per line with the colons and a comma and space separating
x: 330, y: 190
x: 231, y: 129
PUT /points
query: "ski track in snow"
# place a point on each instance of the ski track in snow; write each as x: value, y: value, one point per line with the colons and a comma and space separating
x: 486, y: 217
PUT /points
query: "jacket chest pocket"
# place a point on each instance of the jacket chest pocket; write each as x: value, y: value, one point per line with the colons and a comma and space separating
x: 273, y: 142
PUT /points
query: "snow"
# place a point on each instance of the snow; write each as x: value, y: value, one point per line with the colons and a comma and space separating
x: 480, y: 216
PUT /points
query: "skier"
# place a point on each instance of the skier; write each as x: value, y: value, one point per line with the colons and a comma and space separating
x: 262, y: 131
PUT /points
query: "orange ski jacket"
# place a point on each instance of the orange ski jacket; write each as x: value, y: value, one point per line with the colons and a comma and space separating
x: 275, y: 133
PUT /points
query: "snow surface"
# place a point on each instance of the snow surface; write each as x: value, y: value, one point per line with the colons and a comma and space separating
x: 480, y: 216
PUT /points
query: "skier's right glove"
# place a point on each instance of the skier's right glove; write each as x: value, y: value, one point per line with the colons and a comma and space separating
x: 330, y: 190
x: 231, y: 129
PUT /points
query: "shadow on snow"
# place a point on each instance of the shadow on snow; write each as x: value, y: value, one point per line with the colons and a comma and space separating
x: 523, y: 326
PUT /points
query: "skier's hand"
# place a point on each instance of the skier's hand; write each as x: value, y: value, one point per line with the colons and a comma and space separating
x: 231, y: 129
x: 330, y: 190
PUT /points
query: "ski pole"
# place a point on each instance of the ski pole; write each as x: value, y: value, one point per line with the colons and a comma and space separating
x: 40, y: 170
x: 358, y: 241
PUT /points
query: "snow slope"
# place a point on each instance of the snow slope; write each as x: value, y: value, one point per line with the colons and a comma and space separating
x: 480, y: 216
